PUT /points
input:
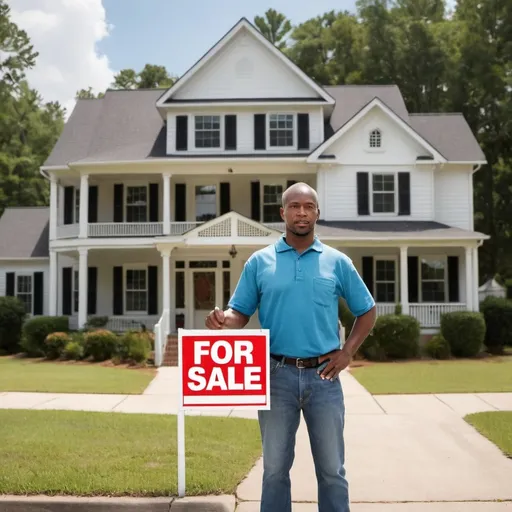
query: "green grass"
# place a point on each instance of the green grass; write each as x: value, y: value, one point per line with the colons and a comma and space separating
x: 114, y: 454
x: 496, y: 426
x: 37, y: 375
x: 452, y: 376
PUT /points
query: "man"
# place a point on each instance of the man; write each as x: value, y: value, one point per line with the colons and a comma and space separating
x: 295, y: 284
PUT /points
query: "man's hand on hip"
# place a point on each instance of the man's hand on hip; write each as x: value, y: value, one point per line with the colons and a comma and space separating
x: 338, y: 361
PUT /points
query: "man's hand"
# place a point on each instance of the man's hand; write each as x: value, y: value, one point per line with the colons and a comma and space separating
x: 215, y: 319
x: 338, y: 361
x: 229, y: 319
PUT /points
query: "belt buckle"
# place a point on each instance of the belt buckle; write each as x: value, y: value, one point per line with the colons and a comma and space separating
x: 299, y: 363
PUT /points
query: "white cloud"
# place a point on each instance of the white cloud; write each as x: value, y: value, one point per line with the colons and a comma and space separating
x: 65, y: 33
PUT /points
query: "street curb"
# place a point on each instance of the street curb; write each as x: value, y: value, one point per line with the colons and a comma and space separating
x: 41, y: 503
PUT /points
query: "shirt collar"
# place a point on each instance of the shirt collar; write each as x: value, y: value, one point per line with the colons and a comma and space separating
x: 282, y: 246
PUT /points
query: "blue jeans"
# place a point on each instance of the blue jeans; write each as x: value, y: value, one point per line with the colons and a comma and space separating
x: 291, y: 390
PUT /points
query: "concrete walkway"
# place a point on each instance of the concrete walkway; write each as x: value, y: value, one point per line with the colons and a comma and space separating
x: 405, y: 453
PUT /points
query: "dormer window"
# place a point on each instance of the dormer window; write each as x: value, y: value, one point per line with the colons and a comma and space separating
x: 281, y: 130
x: 375, y: 139
x: 207, y: 130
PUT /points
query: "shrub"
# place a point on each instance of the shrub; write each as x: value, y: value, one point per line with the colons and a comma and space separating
x: 96, y: 322
x: 371, y: 349
x: 12, y: 316
x: 397, y: 335
x: 100, y: 345
x: 55, y: 343
x: 135, y: 346
x: 464, y: 331
x: 73, y: 350
x: 498, y: 321
x: 398, y: 309
x: 438, y: 348
x: 346, y: 317
x: 37, y: 329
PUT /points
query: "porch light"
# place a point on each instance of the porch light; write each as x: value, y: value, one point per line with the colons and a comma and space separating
x: 233, y: 252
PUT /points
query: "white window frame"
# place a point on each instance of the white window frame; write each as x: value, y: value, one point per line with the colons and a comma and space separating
x: 440, y: 257
x: 135, y: 185
x: 295, y: 135
x: 16, y: 293
x: 394, y: 259
x: 193, y: 186
x: 373, y: 131
x: 395, y: 193
x: 126, y: 268
x: 192, y: 131
x: 263, y: 184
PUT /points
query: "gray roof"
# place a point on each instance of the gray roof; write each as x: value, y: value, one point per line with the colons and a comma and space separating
x: 24, y: 232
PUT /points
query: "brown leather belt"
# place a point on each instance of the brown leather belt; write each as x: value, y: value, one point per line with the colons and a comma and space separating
x: 299, y: 362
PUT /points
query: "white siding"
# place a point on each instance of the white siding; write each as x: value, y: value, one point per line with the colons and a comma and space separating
x: 244, y: 68
x: 338, y: 193
x: 453, y: 196
x: 26, y: 267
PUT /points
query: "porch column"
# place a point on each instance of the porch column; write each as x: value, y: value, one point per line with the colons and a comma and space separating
x: 167, y: 203
x: 52, y: 293
x: 84, y: 205
x: 476, y: 298
x: 469, y: 280
x: 404, y: 281
x: 82, y: 286
x: 54, y: 200
x: 166, y: 276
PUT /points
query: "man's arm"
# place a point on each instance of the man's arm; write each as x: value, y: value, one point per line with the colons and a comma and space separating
x: 229, y: 319
x: 360, y: 331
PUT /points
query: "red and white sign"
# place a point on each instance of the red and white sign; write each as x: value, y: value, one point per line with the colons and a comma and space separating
x: 227, y: 368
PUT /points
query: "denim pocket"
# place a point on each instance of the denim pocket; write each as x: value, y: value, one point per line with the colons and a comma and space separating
x: 273, y: 366
x: 323, y: 290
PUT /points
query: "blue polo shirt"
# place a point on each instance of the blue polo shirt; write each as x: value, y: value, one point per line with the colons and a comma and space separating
x: 297, y: 296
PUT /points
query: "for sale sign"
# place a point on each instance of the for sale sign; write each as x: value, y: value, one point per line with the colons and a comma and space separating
x: 227, y: 368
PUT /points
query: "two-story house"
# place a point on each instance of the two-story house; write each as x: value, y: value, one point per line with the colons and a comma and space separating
x: 159, y: 197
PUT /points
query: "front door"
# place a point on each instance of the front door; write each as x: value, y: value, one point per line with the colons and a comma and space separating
x: 204, y: 294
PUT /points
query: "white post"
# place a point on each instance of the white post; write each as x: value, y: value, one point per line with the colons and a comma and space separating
x: 53, y: 284
x: 404, y: 281
x: 54, y: 200
x: 82, y: 287
x: 469, y: 280
x: 181, y: 451
x: 167, y: 203
x: 476, y: 298
x: 84, y: 205
x: 166, y: 302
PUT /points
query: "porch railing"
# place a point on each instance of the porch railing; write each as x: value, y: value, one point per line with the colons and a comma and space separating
x: 429, y: 314
x: 161, y: 330
x: 385, y: 309
x: 68, y: 230
x: 113, y: 229
x: 123, y: 323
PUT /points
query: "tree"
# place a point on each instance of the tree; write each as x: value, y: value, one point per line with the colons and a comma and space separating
x: 87, y: 94
x: 274, y: 26
x: 151, y: 77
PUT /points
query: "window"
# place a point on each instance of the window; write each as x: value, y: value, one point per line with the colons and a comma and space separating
x: 383, y: 193
x: 281, y: 130
x: 272, y: 203
x: 24, y: 291
x: 432, y: 280
x: 385, y: 280
x: 226, y: 288
x: 75, y: 291
x: 207, y: 131
x: 136, y: 204
x: 77, y: 205
x: 136, y: 290
x: 206, y: 203
x: 375, y: 139
x: 179, y: 290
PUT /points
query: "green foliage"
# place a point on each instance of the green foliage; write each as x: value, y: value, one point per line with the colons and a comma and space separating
x: 274, y: 26
x: 73, y: 350
x: 346, y: 316
x: 398, y: 309
x: 12, y: 316
x: 438, y: 348
x: 55, y: 344
x: 464, y: 331
x: 135, y: 347
x: 100, y: 344
x: 497, y: 313
x: 36, y: 330
x: 95, y: 322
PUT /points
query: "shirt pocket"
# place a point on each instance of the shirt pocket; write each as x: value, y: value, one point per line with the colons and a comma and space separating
x: 323, y: 290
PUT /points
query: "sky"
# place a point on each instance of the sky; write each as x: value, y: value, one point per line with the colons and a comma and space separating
x: 83, y: 43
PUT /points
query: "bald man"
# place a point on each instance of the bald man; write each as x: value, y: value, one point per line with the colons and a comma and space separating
x: 295, y: 285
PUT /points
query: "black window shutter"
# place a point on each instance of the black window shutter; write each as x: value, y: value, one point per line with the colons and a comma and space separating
x: 38, y: 293
x: 368, y: 273
x: 67, y: 290
x: 93, y: 204
x: 117, y: 308
x: 230, y: 132
x: 413, y: 279
x: 69, y: 204
x: 180, y: 202
x: 303, y: 131
x: 92, y: 287
x: 289, y: 183
x: 181, y: 133
x: 363, y: 197
x: 259, y: 131
x: 153, y: 202
x: 404, y: 193
x: 255, y: 200
x: 453, y: 278
x: 225, y: 200
x: 152, y: 290
x: 118, y: 202
x: 10, y: 279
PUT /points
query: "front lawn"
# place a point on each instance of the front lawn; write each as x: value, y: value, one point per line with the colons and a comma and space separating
x: 37, y: 375
x: 93, y: 454
x: 496, y: 426
x: 454, y: 376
